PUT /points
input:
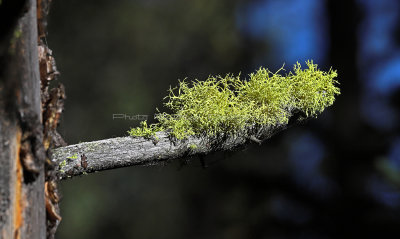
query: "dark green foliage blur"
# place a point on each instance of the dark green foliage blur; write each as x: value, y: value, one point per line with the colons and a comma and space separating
x: 120, y: 57
x: 333, y: 177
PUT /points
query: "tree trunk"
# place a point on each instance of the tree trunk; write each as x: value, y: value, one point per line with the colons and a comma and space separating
x: 22, y: 155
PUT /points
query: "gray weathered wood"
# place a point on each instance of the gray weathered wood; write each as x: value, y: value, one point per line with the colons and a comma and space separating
x: 128, y: 151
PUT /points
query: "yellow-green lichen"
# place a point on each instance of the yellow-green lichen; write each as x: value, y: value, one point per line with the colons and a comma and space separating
x: 226, y: 105
x: 62, y: 164
x: 145, y: 131
x: 13, y: 41
x: 75, y: 156
x: 17, y: 33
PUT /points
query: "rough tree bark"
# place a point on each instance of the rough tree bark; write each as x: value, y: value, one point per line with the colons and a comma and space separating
x: 22, y: 155
x: 118, y: 152
x: 27, y: 205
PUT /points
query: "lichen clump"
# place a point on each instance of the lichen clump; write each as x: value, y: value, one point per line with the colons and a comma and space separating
x: 227, y: 105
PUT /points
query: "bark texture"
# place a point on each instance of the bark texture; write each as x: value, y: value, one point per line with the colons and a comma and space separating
x: 28, y: 118
x: 112, y: 153
x: 22, y: 154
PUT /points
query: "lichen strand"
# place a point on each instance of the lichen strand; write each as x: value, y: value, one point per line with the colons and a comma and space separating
x: 146, y: 131
x: 228, y: 105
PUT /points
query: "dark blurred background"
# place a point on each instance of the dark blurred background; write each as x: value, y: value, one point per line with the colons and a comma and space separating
x: 336, y: 175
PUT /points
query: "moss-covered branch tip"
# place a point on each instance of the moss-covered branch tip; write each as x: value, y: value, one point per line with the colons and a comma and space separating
x: 228, y: 105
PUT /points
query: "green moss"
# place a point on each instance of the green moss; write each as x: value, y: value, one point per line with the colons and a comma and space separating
x: 192, y: 146
x: 266, y: 96
x: 145, y: 130
x: 226, y: 105
x: 313, y: 90
x: 17, y: 34
x: 75, y: 156
x: 62, y: 164
x: 13, y: 41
